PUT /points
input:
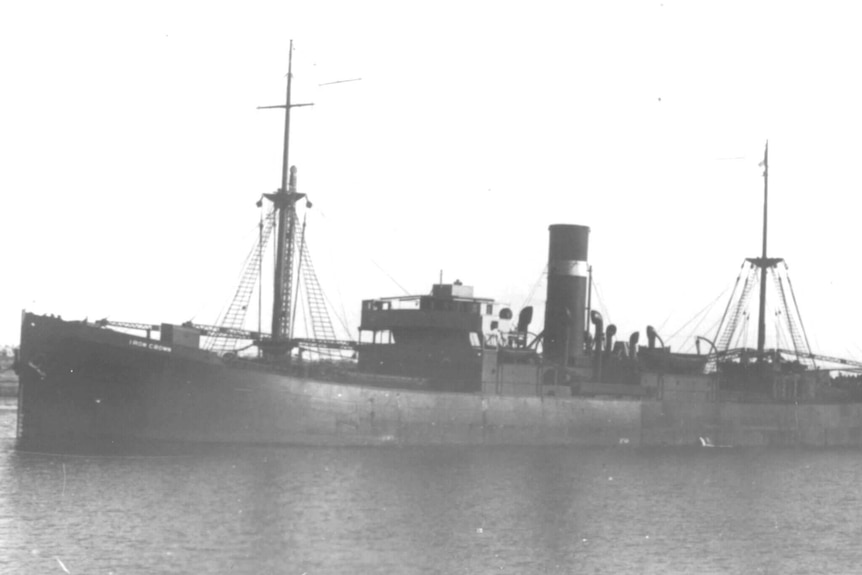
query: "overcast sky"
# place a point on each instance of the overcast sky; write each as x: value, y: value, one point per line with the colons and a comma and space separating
x: 133, y: 152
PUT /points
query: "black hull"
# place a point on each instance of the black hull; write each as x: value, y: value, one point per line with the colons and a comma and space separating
x: 79, y: 382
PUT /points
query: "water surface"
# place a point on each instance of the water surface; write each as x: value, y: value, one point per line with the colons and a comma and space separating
x: 429, y: 510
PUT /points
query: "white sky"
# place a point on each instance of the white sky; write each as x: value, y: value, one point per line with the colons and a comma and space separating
x: 132, y: 152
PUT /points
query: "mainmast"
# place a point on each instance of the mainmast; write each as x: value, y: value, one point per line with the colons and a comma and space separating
x: 758, y: 271
x: 761, y: 317
x: 284, y: 200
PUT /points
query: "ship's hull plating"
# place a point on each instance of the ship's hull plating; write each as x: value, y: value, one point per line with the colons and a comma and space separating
x: 78, y: 381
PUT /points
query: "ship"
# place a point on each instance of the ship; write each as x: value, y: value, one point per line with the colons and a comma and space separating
x: 445, y: 367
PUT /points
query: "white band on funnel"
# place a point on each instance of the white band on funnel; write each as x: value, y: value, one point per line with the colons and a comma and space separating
x: 577, y: 268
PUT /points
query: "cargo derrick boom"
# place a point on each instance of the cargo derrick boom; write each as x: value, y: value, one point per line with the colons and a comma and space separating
x: 203, y: 330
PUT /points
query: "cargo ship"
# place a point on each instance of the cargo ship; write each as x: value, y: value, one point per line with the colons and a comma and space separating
x: 440, y: 368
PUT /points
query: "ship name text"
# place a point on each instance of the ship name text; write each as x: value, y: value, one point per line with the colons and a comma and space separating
x: 149, y: 345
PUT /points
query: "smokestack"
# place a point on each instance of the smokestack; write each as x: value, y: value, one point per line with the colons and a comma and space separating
x: 567, y: 291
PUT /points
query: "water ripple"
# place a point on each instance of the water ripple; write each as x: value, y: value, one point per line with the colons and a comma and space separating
x: 431, y: 510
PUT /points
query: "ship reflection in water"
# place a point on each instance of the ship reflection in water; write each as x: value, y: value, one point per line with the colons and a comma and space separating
x: 430, y: 510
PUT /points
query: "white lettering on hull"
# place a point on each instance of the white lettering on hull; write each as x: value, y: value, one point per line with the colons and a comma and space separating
x: 150, y: 345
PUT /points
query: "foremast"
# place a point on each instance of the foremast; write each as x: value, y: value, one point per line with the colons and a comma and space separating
x: 284, y: 203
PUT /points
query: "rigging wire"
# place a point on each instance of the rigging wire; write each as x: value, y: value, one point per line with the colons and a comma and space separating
x: 392, y: 279
x: 702, y: 313
x: 342, y: 316
x: 660, y: 327
x: 341, y: 320
x: 301, y: 292
x: 696, y: 329
x: 796, y: 306
x: 745, y: 326
x: 601, y: 302
x: 706, y: 308
x: 401, y: 287
x: 226, y: 303
x: 305, y: 314
x: 542, y: 275
x: 779, y: 339
x: 298, y: 277
x: 260, y: 277
x: 714, y: 326
x: 735, y: 317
